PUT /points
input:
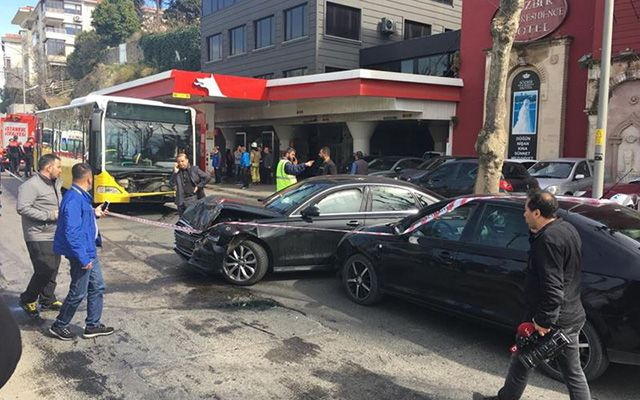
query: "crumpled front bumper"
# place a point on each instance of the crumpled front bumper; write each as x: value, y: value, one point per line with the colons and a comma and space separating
x: 201, y: 252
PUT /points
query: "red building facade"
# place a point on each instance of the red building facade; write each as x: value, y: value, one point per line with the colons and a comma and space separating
x: 565, y: 60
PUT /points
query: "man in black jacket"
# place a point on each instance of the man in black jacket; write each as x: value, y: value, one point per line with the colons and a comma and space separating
x: 189, y: 182
x: 552, y: 292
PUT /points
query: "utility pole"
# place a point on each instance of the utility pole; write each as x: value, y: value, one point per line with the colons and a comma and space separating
x: 24, y: 88
x: 603, y: 101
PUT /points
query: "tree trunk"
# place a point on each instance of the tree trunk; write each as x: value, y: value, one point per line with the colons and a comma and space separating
x: 492, y: 139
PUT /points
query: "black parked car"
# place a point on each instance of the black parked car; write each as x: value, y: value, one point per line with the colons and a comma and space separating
x: 457, y: 178
x: 471, y: 261
x: 295, y: 229
x: 391, y: 166
x: 416, y: 174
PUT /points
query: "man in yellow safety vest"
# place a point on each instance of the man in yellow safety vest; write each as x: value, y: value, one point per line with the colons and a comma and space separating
x: 288, y: 168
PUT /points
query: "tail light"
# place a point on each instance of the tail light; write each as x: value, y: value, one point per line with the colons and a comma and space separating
x: 506, y: 186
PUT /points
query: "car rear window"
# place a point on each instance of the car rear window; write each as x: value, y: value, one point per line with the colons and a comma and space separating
x: 615, y: 219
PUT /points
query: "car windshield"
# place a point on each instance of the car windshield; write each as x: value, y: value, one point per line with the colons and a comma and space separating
x: 552, y: 169
x: 294, y: 196
x: 382, y: 164
x: 615, y: 218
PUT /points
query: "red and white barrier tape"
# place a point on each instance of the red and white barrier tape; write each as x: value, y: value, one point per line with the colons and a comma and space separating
x: 157, y: 224
x: 449, y: 207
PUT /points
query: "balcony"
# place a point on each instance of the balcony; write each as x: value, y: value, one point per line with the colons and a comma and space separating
x: 53, y: 14
x: 57, y: 58
x: 56, y: 33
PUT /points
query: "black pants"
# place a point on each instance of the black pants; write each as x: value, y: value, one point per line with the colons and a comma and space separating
x: 246, y: 176
x: 42, y: 285
x: 14, y: 165
x: 217, y: 174
x: 186, y: 202
x: 569, y: 364
x: 28, y: 165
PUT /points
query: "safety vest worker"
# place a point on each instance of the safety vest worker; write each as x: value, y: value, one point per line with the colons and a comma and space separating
x: 288, y: 169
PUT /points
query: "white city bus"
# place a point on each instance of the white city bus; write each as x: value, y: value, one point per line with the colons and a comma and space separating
x: 130, y: 143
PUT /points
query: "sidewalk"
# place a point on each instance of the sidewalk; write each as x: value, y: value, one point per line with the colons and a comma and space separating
x: 231, y: 189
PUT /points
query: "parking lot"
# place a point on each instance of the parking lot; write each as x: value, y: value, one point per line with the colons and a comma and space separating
x: 181, y: 335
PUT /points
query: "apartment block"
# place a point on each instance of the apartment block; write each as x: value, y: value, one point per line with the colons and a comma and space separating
x: 285, y: 38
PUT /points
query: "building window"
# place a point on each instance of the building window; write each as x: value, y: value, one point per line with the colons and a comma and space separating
x: 55, y: 47
x: 211, y: 6
x: 414, y: 30
x: 295, y: 22
x: 435, y: 65
x: 72, y: 29
x: 343, y: 21
x: 264, y: 32
x: 214, y: 47
x: 333, y: 69
x: 449, y: 2
x: 54, y: 5
x: 448, y: 30
x: 295, y: 72
x: 237, y: 40
x: 70, y: 8
x: 270, y: 75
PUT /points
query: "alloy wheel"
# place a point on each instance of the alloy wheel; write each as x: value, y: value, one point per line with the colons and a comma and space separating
x: 359, y: 280
x: 241, y: 263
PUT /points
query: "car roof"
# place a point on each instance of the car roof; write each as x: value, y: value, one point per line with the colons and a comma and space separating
x: 365, y: 179
x: 565, y: 159
x: 564, y: 202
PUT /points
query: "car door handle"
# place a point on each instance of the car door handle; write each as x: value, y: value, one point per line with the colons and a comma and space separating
x: 353, y: 224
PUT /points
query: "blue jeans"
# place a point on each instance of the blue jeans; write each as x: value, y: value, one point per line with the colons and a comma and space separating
x: 84, y: 283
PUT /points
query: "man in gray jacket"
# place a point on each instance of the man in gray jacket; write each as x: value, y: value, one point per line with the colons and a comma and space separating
x: 189, y: 182
x: 38, y: 202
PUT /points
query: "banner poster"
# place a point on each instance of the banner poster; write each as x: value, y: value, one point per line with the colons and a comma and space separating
x: 523, y: 127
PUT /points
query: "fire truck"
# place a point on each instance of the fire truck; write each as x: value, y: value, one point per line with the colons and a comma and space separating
x: 21, y: 125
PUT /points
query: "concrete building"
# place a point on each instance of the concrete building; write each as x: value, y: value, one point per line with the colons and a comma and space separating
x: 284, y: 38
x: 51, y: 27
x: 12, y: 61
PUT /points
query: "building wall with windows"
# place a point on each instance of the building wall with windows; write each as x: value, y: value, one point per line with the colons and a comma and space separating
x: 51, y: 26
x: 273, y: 39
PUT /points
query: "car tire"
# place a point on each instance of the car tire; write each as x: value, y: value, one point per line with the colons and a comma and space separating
x: 245, y: 264
x: 360, y: 280
x: 592, y: 356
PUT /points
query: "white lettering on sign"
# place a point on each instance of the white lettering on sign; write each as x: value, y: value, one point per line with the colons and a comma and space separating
x: 12, y: 129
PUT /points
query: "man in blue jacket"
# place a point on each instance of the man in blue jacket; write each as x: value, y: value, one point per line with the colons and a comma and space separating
x: 76, y: 238
x: 245, y: 166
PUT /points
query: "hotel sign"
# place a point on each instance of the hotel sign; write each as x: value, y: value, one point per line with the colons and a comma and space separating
x: 540, y: 18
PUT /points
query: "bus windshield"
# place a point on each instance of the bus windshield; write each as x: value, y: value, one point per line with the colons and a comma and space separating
x: 146, y: 137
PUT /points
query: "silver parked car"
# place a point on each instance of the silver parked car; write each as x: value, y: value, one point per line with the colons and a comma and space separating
x: 563, y: 176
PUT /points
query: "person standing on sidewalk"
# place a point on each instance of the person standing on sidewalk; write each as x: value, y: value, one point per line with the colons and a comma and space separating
x: 255, y: 158
x: 552, y: 293
x: 237, y: 160
x: 359, y: 166
x: 288, y: 168
x: 189, y: 182
x: 77, y: 238
x: 38, y: 204
x: 15, y: 154
x: 245, y: 167
x: 215, y: 164
x: 228, y: 159
x: 267, y: 166
x: 27, y: 149
x: 328, y: 167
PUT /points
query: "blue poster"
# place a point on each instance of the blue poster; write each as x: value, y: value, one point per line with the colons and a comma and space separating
x: 525, y: 113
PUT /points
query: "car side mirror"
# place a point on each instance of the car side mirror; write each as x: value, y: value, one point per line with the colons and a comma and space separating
x: 578, y: 177
x: 397, y: 169
x: 310, y: 212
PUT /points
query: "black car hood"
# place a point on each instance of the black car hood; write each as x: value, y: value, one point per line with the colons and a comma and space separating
x: 213, y: 209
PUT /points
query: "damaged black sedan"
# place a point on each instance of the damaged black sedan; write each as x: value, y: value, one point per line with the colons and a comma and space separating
x: 295, y: 229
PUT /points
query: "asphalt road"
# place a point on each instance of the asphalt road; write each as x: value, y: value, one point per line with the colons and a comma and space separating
x: 181, y: 335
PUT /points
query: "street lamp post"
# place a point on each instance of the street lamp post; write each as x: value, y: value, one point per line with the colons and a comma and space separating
x: 603, y: 101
